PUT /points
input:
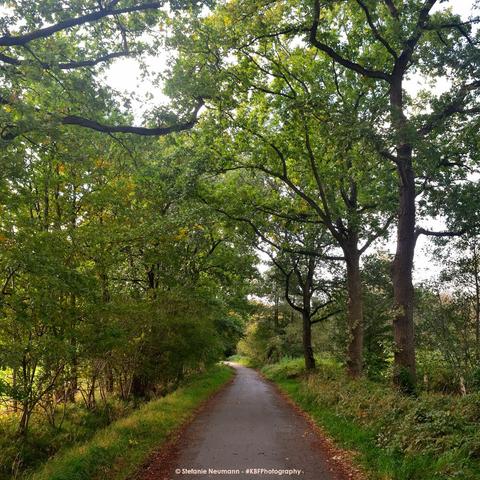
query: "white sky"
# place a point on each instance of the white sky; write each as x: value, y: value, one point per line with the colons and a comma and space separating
x: 124, y: 75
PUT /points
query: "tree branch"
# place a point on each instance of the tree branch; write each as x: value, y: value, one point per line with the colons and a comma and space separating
x: 393, y: 9
x: 422, y: 231
x: 319, y: 307
x: 404, y: 59
x: 325, y: 317
x: 144, y: 131
x: 356, y: 67
x: 65, y: 65
x: 460, y: 26
x: 287, y: 294
x: 379, y: 233
x: 12, y: 40
x: 327, y: 218
x: 456, y: 105
x: 375, y: 31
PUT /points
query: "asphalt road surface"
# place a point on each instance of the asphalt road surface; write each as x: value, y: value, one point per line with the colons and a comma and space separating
x: 248, y: 431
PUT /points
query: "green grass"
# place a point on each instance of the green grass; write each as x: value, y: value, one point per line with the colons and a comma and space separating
x: 115, y: 452
x: 432, y: 437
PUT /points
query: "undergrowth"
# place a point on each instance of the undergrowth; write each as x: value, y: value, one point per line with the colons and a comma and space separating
x: 432, y: 436
x: 115, y: 451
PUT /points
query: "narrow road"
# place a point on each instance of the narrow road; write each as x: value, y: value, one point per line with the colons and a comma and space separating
x: 248, y: 425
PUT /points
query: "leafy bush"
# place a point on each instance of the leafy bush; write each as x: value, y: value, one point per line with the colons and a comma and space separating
x: 75, y: 424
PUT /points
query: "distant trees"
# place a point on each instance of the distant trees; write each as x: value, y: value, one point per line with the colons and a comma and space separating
x: 449, y: 328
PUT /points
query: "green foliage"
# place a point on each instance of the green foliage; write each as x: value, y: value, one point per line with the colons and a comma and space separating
x: 116, y: 281
x: 126, y: 264
x: 269, y: 337
x: 75, y: 424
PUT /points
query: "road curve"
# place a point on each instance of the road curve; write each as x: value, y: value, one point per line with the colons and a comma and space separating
x: 248, y: 425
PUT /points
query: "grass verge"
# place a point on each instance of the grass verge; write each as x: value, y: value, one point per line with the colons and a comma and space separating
x: 432, y: 437
x: 117, y: 451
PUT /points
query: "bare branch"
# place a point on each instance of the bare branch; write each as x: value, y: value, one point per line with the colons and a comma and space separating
x: 422, y: 231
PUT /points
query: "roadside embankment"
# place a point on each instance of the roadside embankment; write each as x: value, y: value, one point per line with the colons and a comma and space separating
x: 117, y: 451
x: 392, y: 436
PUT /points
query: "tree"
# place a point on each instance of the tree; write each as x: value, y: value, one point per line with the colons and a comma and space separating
x: 308, y: 292
x: 395, y: 41
x: 113, y: 277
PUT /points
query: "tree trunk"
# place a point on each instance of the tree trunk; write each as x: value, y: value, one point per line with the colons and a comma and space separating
x: 403, y: 331
x: 24, y: 419
x: 355, y: 315
x: 307, y: 342
x: 14, y: 385
x: 73, y: 381
x: 276, y: 311
x: 476, y: 274
x: 110, y: 381
x: 307, y: 289
x: 139, y: 387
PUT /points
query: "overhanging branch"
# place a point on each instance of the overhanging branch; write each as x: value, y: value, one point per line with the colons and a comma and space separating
x: 65, y: 65
x: 351, y: 65
x: 422, y: 231
x: 143, y: 131
x: 15, y: 40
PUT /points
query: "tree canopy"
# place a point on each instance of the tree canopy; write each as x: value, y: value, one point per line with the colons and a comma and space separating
x: 257, y: 205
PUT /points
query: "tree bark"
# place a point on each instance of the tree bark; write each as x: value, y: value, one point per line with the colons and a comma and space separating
x: 476, y: 274
x: 14, y: 385
x: 73, y: 380
x: 403, y: 330
x: 355, y: 314
x: 307, y: 342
